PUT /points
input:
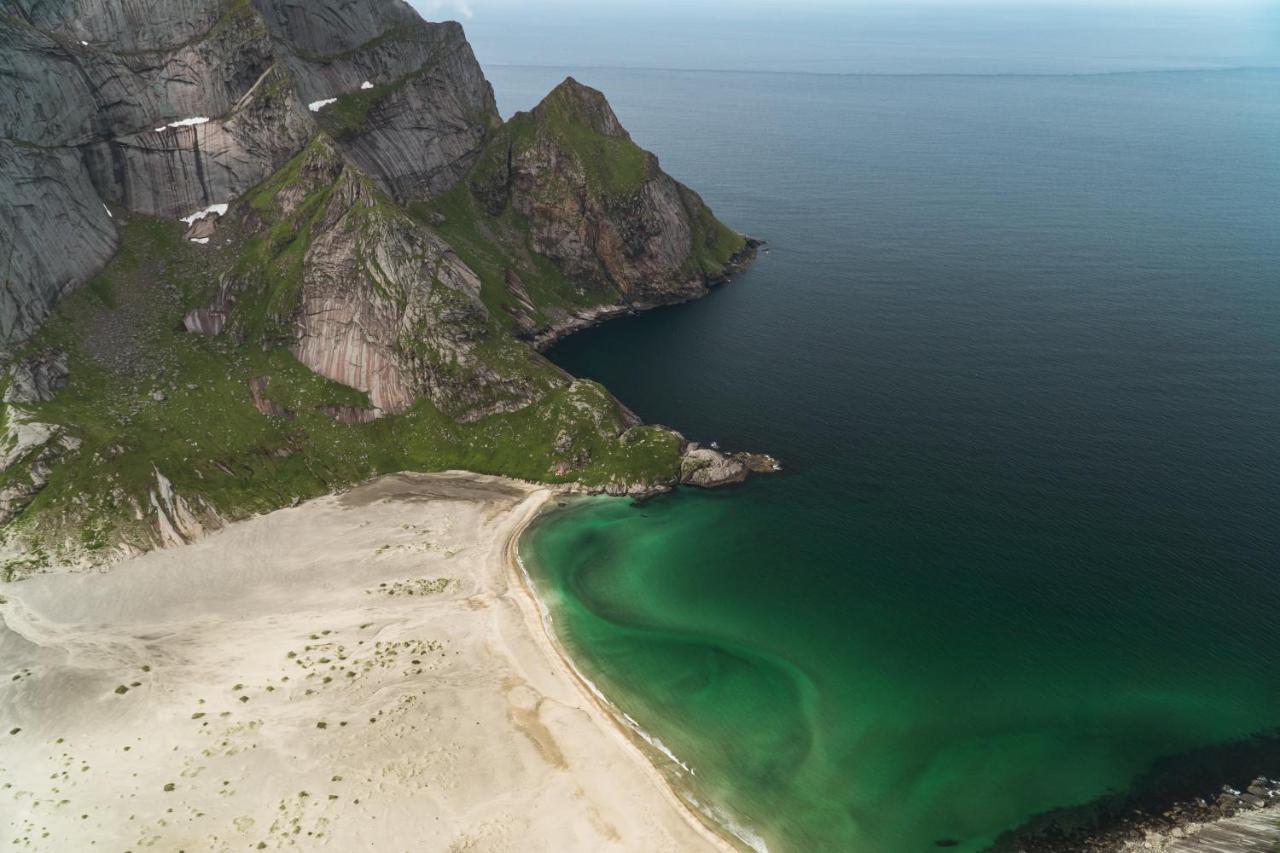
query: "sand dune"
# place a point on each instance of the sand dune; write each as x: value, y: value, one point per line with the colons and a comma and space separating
x: 363, y: 672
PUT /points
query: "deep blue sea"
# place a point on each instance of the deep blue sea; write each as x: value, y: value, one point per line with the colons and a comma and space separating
x: 1017, y: 342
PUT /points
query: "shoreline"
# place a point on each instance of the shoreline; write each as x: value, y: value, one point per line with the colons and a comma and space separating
x: 640, y: 743
x: 741, y: 261
x: 356, y: 670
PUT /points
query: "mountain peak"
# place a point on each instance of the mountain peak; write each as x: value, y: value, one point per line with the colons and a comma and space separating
x: 572, y: 101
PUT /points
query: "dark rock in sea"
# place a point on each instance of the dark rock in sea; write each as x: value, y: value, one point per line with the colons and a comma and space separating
x: 758, y: 463
x: 1162, y: 803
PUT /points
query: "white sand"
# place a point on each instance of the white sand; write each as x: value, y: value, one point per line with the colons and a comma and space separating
x: 449, y: 720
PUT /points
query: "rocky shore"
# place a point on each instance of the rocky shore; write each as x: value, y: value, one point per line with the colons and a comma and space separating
x: 1197, y: 825
x: 700, y: 466
x: 739, y: 263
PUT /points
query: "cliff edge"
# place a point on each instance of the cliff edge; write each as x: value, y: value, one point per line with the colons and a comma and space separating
x: 262, y: 249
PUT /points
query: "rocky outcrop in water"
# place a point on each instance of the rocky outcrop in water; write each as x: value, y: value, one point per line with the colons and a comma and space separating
x: 709, y: 467
x: 703, y: 466
x: 1230, y: 821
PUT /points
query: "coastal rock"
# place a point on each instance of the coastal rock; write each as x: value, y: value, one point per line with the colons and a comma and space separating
x: 37, y: 378
x: 602, y: 210
x: 709, y: 468
x: 758, y: 463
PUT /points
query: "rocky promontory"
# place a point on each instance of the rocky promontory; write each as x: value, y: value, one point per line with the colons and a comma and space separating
x: 261, y: 249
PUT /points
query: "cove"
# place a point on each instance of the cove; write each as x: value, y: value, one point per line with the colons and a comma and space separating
x: 1017, y: 345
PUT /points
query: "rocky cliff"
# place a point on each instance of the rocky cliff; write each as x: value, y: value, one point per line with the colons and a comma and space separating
x: 167, y: 107
x: 258, y: 249
x: 565, y: 183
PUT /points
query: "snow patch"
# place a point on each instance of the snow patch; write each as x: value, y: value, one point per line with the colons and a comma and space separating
x: 317, y: 106
x: 186, y: 122
x: 108, y: 210
x: 201, y: 240
x: 213, y: 209
x: 366, y: 85
x: 85, y: 43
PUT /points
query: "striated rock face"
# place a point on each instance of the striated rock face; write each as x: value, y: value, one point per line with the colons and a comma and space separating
x: 175, y: 171
x: 175, y: 521
x: 168, y: 106
x: 54, y: 234
x: 385, y: 306
x: 123, y: 25
x: 420, y: 127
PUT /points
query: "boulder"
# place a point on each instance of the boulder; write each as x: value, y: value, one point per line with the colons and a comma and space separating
x: 37, y: 378
x: 708, y: 468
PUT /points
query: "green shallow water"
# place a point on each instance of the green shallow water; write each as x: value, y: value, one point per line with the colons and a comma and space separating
x: 835, y: 717
x: 1017, y: 343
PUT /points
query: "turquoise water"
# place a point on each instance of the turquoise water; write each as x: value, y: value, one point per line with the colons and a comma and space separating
x: 1017, y: 343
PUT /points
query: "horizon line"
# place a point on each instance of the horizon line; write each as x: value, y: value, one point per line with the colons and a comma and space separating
x: 1113, y: 73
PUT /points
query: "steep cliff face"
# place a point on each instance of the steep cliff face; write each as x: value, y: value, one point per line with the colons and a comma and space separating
x: 53, y: 232
x: 367, y: 296
x: 412, y: 108
x: 170, y: 106
x: 566, y: 183
x: 292, y: 245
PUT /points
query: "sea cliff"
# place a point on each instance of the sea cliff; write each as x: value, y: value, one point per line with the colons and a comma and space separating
x: 264, y: 250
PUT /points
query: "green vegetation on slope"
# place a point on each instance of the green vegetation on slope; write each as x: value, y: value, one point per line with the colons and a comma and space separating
x: 220, y: 452
x: 238, y: 425
x: 492, y: 245
x: 596, y: 199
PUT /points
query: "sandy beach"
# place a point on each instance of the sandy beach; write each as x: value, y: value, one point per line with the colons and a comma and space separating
x: 363, y: 672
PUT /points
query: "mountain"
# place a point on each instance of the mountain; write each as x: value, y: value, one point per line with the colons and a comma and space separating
x: 262, y: 249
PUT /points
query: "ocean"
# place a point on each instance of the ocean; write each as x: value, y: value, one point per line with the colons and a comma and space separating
x: 1016, y: 340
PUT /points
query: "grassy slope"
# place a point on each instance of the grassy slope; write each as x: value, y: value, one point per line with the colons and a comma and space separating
x: 122, y: 336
